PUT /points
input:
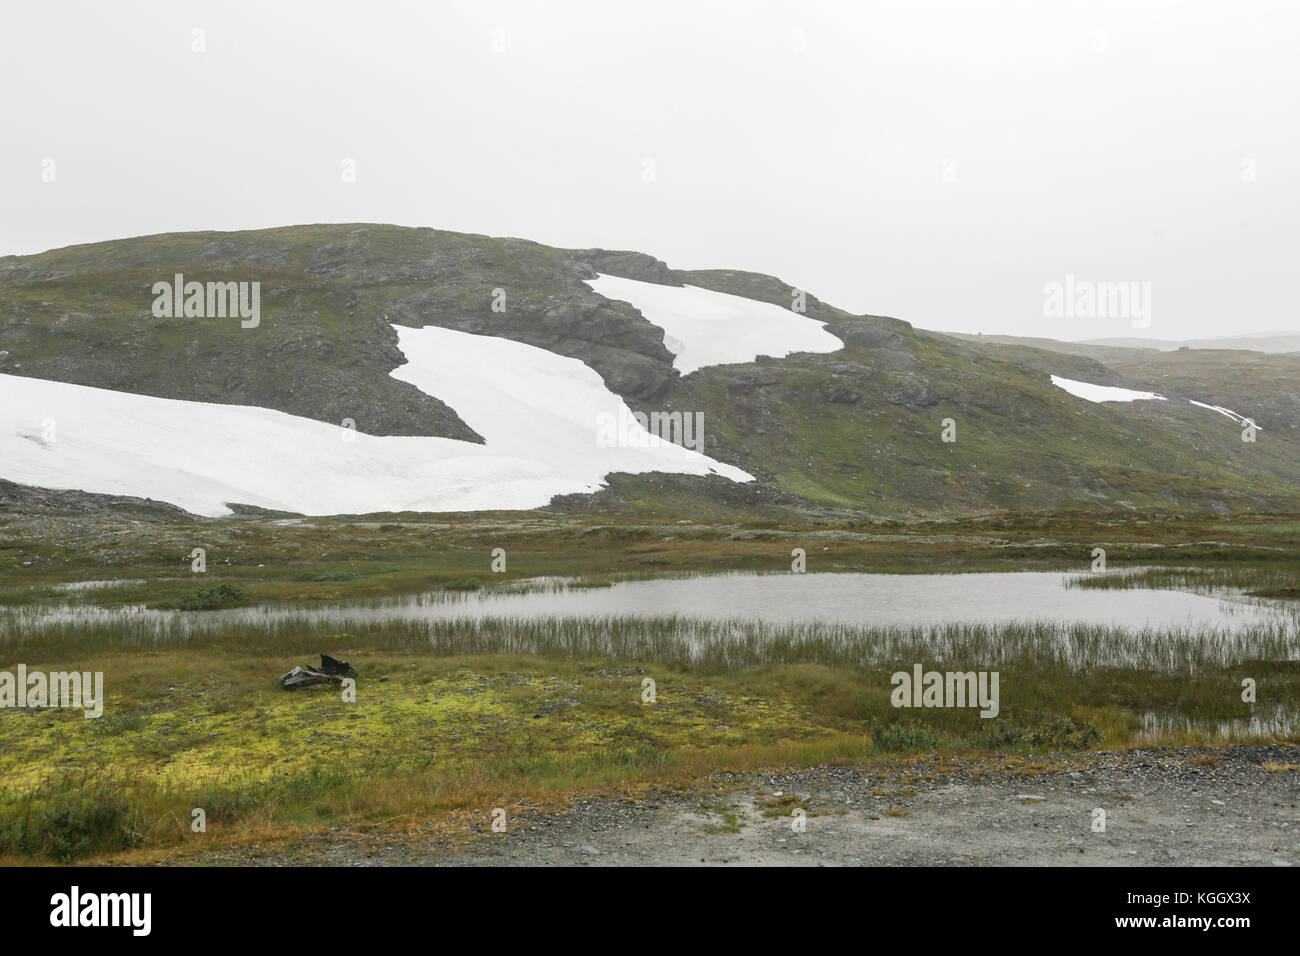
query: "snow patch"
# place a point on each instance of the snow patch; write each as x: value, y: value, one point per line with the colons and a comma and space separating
x: 537, y: 411
x: 1102, y: 393
x: 703, y: 327
x: 1239, y: 419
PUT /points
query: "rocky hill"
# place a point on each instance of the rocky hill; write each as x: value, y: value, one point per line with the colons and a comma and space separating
x: 853, y: 431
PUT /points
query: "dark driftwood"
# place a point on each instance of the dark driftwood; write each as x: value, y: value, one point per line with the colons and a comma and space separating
x: 331, y: 671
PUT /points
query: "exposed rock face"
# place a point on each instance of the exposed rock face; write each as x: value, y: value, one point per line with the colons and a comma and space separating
x: 867, y: 333
x: 316, y: 354
x: 855, y: 331
x: 26, y: 500
x: 628, y: 265
x: 841, y: 392
x: 912, y: 393
x: 615, y: 340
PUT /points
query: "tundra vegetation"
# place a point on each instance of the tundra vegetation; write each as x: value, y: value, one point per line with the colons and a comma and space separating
x: 457, y: 718
x: 454, y: 718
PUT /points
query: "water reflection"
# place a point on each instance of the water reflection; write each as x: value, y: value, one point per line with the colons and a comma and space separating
x: 862, y: 600
x: 1271, y: 722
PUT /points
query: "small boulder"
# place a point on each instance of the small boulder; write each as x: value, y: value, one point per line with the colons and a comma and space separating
x: 331, y: 671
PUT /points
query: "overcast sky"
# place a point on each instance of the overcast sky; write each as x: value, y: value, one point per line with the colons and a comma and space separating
x: 940, y: 162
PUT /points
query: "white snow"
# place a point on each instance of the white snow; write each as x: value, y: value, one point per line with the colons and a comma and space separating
x: 703, y: 327
x: 1107, y: 393
x: 538, y: 412
x: 1239, y: 419
x: 1102, y: 393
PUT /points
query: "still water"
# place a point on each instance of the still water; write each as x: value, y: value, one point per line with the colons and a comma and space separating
x: 849, y: 599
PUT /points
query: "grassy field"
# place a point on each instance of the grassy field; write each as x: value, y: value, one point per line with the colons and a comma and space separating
x: 454, y: 719
x: 329, y: 559
x: 469, y: 725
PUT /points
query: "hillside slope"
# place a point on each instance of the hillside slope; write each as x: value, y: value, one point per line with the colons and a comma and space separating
x: 854, y: 430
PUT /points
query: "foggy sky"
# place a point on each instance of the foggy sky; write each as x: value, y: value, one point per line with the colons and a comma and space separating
x: 940, y: 162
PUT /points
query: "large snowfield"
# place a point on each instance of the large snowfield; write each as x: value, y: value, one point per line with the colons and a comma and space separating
x: 539, y: 413
x: 703, y: 328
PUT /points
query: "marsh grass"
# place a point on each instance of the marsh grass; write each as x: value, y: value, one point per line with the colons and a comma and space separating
x: 330, y: 559
x: 676, y: 641
x: 1253, y: 581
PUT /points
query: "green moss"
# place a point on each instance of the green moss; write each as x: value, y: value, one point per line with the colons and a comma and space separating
x: 206, y: 599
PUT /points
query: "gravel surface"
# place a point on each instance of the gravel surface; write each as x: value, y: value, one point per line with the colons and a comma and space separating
x: 1188, y: 807
x: 1162, y: 809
